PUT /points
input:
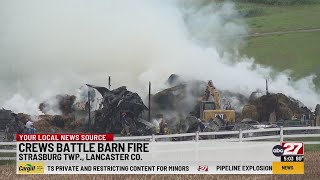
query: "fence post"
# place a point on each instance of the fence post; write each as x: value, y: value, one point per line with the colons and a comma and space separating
x: 281, y: 134
x: 240, y: 135
x: 153, y: 138
x: 197, y: 136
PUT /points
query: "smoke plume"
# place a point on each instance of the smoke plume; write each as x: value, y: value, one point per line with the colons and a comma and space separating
x: 51, y: 47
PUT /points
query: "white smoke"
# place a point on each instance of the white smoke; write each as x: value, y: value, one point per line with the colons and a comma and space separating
x: 51, y: 106
x: 82, y: 94
x: 82, y: 98
x: 17, y: 103
x: 57, y: 46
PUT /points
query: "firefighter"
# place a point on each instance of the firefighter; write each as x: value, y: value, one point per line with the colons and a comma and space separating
x: 166, y: 129
x: 32, y: 129
x: 163, y: 127
x: 229, y: 105
x: 29, y: 125
x: 125, y: 124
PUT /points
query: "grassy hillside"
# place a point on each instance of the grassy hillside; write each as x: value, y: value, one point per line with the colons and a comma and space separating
x: 268, y: 18
x: 298, y: 51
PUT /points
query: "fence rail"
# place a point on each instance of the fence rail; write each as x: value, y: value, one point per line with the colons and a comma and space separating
x: 241, y: 136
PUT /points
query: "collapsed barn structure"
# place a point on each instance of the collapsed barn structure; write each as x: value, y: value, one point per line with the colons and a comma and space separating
x: 178, y: 106
x: 114, y: 103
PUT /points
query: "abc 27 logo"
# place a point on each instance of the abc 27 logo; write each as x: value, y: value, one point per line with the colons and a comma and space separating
x: 203, y: 168
x: 289, y: 151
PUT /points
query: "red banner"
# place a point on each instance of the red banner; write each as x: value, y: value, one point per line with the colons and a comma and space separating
x: 64, y: 137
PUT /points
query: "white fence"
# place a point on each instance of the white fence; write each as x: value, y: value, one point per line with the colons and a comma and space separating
x: 277, y: 134
x: 241, y: 135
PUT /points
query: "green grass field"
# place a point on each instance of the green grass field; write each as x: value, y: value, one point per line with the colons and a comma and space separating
x: 307, y: 147
x: 269, y: 18
x: 312, y: 147
x: 298, y: 51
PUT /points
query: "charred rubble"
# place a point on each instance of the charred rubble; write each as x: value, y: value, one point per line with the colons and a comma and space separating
x: 275, y: 107
x: 178, y: 105
x: 114, y: 103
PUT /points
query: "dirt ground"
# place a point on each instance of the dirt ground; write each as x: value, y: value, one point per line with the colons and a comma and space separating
x: 312, y: 171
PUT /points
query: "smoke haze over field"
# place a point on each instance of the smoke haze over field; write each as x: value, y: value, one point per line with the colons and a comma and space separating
x: 52, y: 47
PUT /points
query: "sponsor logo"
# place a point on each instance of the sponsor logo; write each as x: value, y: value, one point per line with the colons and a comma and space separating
x: 30, y: 168
x: 203, y: 168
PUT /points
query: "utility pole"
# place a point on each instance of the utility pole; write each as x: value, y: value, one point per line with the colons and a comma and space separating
x: 89, y: 110
x: 149, y: 114
x: 109, y: 83
x: 267, y: 91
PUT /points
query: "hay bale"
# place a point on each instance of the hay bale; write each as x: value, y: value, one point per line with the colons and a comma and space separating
x: 284, y: 112
x: 284, y: 107
x: 23, y: 117
x: 57, y: 121
x: 42, y: 125
x: 76, y: 124
x: 250, y: 112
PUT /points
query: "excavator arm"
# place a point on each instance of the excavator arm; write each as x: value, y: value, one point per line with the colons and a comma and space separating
x: 210, y: 110
x: 211, y: 90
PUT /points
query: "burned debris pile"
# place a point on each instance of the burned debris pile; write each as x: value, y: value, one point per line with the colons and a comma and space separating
x: 317, y: 110
x: 116, y: 102
x: 5, y: 118
x: 180, y: 105
x: 180, y: 109
x: 180, y: 98
x: 177, y: 104
x: 275, y: 107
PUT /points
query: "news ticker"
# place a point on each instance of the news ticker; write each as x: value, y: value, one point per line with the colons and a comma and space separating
x: 99, y: 154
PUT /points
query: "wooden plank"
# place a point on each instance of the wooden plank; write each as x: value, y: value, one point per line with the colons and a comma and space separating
x: 132, y: 138
x: 301, y: 135
x: 261, y: 138
x: 261, y: 130
x: 300, y: 128
x: 218, y: 133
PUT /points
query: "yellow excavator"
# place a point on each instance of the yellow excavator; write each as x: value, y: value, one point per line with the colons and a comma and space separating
x: 212, y: 109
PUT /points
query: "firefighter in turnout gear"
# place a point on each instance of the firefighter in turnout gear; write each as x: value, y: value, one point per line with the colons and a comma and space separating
x: 163, y: 127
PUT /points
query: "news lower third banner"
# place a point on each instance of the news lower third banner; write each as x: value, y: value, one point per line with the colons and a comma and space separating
x: 99, y: 154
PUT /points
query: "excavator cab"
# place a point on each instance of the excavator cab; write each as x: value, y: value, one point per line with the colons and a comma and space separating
x: 207, y: 105
x: 208, y: 111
